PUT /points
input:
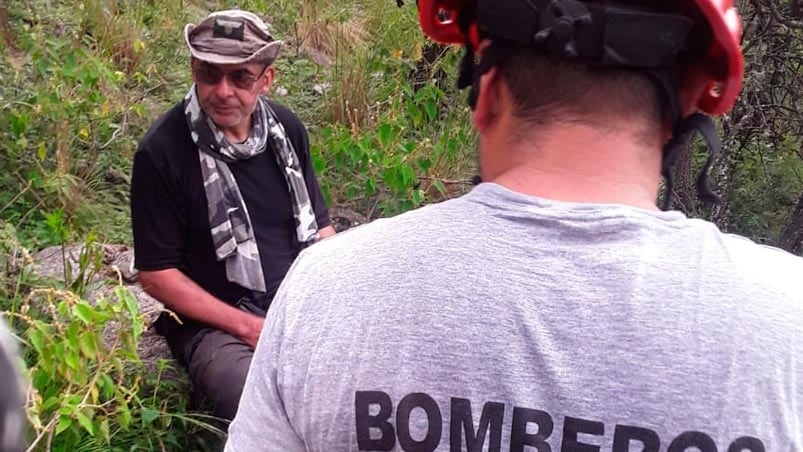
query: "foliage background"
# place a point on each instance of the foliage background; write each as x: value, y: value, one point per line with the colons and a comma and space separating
x: 83, y: 80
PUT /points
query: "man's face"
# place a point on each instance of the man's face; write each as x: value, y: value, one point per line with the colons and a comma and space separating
x: 228, y: 94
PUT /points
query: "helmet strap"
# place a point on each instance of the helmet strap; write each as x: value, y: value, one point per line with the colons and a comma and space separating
x: 683, y: 132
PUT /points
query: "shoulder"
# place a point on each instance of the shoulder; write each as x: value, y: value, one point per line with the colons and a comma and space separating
x: 770, y: 269
x: 287, y: 117
x: 385, y: 246
x: 167, y: 144
x: 166, y: 132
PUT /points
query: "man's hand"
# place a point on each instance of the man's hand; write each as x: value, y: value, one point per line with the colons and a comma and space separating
x: 326, y: 232
x: 251, y: 329
x: 182, y: 295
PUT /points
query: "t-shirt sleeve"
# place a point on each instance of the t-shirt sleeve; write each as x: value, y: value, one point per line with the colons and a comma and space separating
x: 300, y: 139
x: 262, y: 421
x: 156, y: 219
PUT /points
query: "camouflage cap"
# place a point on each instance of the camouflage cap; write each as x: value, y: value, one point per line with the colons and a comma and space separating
x: 232, y: 37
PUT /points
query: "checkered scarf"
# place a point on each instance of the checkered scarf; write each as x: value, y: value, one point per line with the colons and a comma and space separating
x: 232, y: 232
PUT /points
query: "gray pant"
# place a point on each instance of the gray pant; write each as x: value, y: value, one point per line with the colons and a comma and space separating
x: 217, y: 368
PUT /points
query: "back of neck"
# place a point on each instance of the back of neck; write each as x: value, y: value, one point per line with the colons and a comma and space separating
x: 578, y: 163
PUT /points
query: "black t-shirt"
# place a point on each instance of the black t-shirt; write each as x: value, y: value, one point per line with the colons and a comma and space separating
x: 169, y: 212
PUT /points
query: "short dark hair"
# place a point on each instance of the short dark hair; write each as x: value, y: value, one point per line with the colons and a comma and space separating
x: 547, y: 89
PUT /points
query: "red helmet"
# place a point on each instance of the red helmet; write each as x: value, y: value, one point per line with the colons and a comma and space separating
x: 440, y: 21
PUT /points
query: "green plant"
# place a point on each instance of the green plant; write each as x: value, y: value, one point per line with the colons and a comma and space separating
x: 88, y: 388
x: 405, y: 160
x: 16, y: 268
x: 88, y: 385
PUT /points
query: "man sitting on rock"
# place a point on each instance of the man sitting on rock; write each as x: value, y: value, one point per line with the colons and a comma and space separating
x: 223, y: 198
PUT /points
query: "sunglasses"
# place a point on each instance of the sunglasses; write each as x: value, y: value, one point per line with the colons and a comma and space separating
x: 212, y: 75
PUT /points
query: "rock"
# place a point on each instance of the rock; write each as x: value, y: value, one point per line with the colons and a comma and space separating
x: 116, y: 177
x: 281, y: 91
x: 321, y: 88
x: 344, y: 218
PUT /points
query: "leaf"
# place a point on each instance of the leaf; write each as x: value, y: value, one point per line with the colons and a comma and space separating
x: 425, y: 164
x: 440, y: 187
x: 149, y: 415
x: 67, y: 410
x: 124, y: 417
x: 418, y: 196
x: 407, y: 147
x: 64, y: 306
x: 392, y: 178
x: 73, y: 336
x: 85, y: 422
x: 107, y: 385
x: 318, y: 163
x: 130, y: 301
x: 72, y: 360
x: 104, y: 430
x: 19, y: 124
x: 37, y: 339
x: 50, y: 403
x: 451, y: 146
x: 407, y: 175
x: 431, y: 108
x: 383, y: 132
x: 84, y: 312
x: 415, y: 114
x: 35, y: 179
x: 41, y: 152
x: 139, y: 45
x: 137, y: 328
x: 64, y: 424
x: 88, y: 345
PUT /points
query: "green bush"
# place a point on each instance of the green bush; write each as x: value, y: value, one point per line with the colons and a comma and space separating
x: 405, y: 159
x: 88, y: 388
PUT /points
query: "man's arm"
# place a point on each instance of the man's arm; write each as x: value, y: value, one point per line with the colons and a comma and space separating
x: 182, y: 295
x: 159, y: 231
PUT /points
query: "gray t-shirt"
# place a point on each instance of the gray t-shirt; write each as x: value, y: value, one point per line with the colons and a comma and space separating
x: 12, y: 398
x: 499, y: 321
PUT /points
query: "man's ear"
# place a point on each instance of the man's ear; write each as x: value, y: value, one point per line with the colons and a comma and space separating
x: 269, y: 75
x: 486, y: 112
